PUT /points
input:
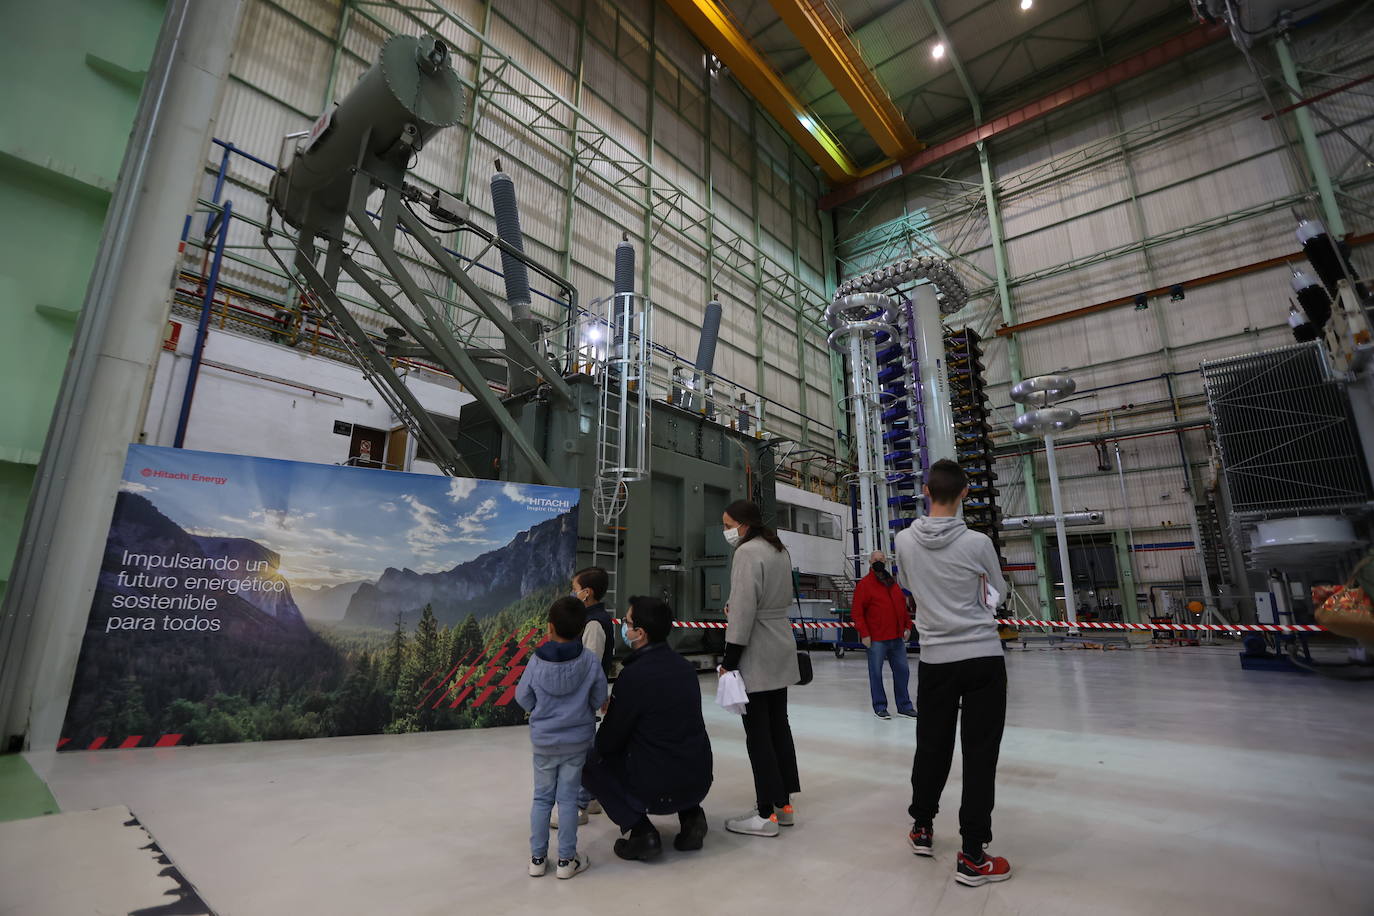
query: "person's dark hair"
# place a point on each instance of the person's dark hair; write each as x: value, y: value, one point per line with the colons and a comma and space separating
x: 568, y: 616
x: 747, y: 513
x: 652, y: 615
x: 594, y: 578
x: 946, y: 481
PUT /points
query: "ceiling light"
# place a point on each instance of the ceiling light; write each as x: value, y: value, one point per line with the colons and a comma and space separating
x: 1026, y: 4
x: 938, y: 51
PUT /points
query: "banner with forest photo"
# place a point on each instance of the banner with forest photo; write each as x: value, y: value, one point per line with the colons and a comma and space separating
x: 252, y: 599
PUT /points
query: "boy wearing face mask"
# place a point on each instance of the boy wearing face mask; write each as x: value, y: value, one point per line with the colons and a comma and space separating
x: 884, y: 624
x: 561, y: 689
x: 589, y: 586
x: 598, y: 636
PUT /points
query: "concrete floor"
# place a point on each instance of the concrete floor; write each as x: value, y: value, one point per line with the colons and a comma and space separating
x: 1146, y: 782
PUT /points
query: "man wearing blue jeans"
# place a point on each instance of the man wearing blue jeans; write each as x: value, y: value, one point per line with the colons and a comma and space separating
x: 883, y: 620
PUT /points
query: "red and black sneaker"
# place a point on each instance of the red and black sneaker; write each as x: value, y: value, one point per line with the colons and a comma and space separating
x: 920, y: 840
x: 974, y: 874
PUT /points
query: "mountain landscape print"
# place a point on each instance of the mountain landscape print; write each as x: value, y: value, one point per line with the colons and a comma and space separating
x: 246, y: 599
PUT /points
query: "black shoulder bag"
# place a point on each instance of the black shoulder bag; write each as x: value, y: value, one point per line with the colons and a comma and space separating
x: 803, y: 658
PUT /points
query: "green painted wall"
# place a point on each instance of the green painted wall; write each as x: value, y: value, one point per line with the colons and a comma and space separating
x: 72, y: 73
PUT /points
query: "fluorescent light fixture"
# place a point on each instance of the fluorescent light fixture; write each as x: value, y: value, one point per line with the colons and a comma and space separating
x: 938, y: 51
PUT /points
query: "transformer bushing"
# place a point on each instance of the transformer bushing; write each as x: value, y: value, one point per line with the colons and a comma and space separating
x: 1045, y: 420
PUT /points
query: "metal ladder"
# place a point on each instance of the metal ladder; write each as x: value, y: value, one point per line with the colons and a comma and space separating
x: 622, y: 448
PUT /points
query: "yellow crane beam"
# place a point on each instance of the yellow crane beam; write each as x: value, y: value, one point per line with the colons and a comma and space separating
x: 715, y: 28
x: 822, y: 34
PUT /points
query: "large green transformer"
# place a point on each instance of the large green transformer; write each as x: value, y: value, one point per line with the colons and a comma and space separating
x: 671, y: 541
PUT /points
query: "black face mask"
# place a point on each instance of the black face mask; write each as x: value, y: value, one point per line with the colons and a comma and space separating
x: 880, y: 567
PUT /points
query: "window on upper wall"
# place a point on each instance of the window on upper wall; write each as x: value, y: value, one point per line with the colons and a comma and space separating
x: 811, y: 522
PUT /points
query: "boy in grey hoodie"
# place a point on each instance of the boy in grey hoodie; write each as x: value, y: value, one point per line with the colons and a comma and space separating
x: 561, y: 689
x: 955, y: 576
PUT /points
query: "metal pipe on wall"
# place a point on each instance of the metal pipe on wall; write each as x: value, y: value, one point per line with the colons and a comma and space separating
x: 203, y: 328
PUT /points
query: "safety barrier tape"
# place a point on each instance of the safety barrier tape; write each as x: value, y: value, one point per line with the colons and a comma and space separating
x: 1060, y: 624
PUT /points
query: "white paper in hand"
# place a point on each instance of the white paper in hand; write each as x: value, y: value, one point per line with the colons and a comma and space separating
x: 730, y: 693
x: 991, y: 596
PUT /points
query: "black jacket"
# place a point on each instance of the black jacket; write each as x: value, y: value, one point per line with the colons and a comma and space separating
x: 654, y: 726
x: 598, y: 614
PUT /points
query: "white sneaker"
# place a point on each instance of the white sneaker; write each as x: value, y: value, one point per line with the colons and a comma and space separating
x: 786, y: 815
x: 752, y: 824
x: 568, y: 868
x: 581, y: 817
x: 538, y: 865
x: 593, y: 807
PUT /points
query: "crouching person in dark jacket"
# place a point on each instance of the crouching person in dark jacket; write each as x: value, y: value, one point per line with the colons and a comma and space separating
x: 652, y: 753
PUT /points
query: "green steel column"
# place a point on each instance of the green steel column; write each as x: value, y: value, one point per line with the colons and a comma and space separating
x: 1130, y: 608
x: 345, y: 15
x: 636, y: 567
x: 1311, y: 147
x: 473, y: 104
x: 646, y: 262
x: 999, y: 258
x: 571, y: 186
x: 707, y: 180
x: 837, y: 382
x: 757, y: 239
x: 800, y: 305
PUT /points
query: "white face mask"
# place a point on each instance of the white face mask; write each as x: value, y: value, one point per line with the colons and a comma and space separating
x: 732, y: 536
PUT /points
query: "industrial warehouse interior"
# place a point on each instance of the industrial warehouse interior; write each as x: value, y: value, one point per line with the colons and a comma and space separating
x: 414, y: 408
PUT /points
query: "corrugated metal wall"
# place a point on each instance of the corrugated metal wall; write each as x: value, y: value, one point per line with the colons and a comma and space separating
x: 638, y: 78
x: 1089, y: 200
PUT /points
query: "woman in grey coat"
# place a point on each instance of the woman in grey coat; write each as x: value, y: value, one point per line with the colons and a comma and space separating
x: 759, y: 644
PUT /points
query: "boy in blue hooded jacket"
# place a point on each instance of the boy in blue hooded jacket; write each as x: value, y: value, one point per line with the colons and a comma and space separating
x: 561, y: 689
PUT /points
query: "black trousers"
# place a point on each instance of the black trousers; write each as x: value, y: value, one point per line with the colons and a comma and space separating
x: 605, y: 779
x: 981, y: 683
x: 772, y: 755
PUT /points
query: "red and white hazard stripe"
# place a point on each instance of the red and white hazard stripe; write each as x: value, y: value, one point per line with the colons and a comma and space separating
x: 1059, y: 624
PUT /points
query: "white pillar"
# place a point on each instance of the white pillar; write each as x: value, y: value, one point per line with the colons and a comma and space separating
x: 1070, y: 606
x: 860, y: 371
x: 935, y: 404
x: 114, y: 352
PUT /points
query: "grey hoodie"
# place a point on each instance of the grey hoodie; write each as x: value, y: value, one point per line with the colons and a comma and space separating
x: 942, y: 563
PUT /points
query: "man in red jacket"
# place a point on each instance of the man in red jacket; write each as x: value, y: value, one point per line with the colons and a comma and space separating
x: 881, y: 617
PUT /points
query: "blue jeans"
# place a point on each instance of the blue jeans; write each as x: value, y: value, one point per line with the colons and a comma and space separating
x: 557, y: 778
x: 893, y: 651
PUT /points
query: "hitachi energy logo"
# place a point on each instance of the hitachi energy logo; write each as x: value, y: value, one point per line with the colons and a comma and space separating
x: 543, y: 502
x: 193, y: 478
